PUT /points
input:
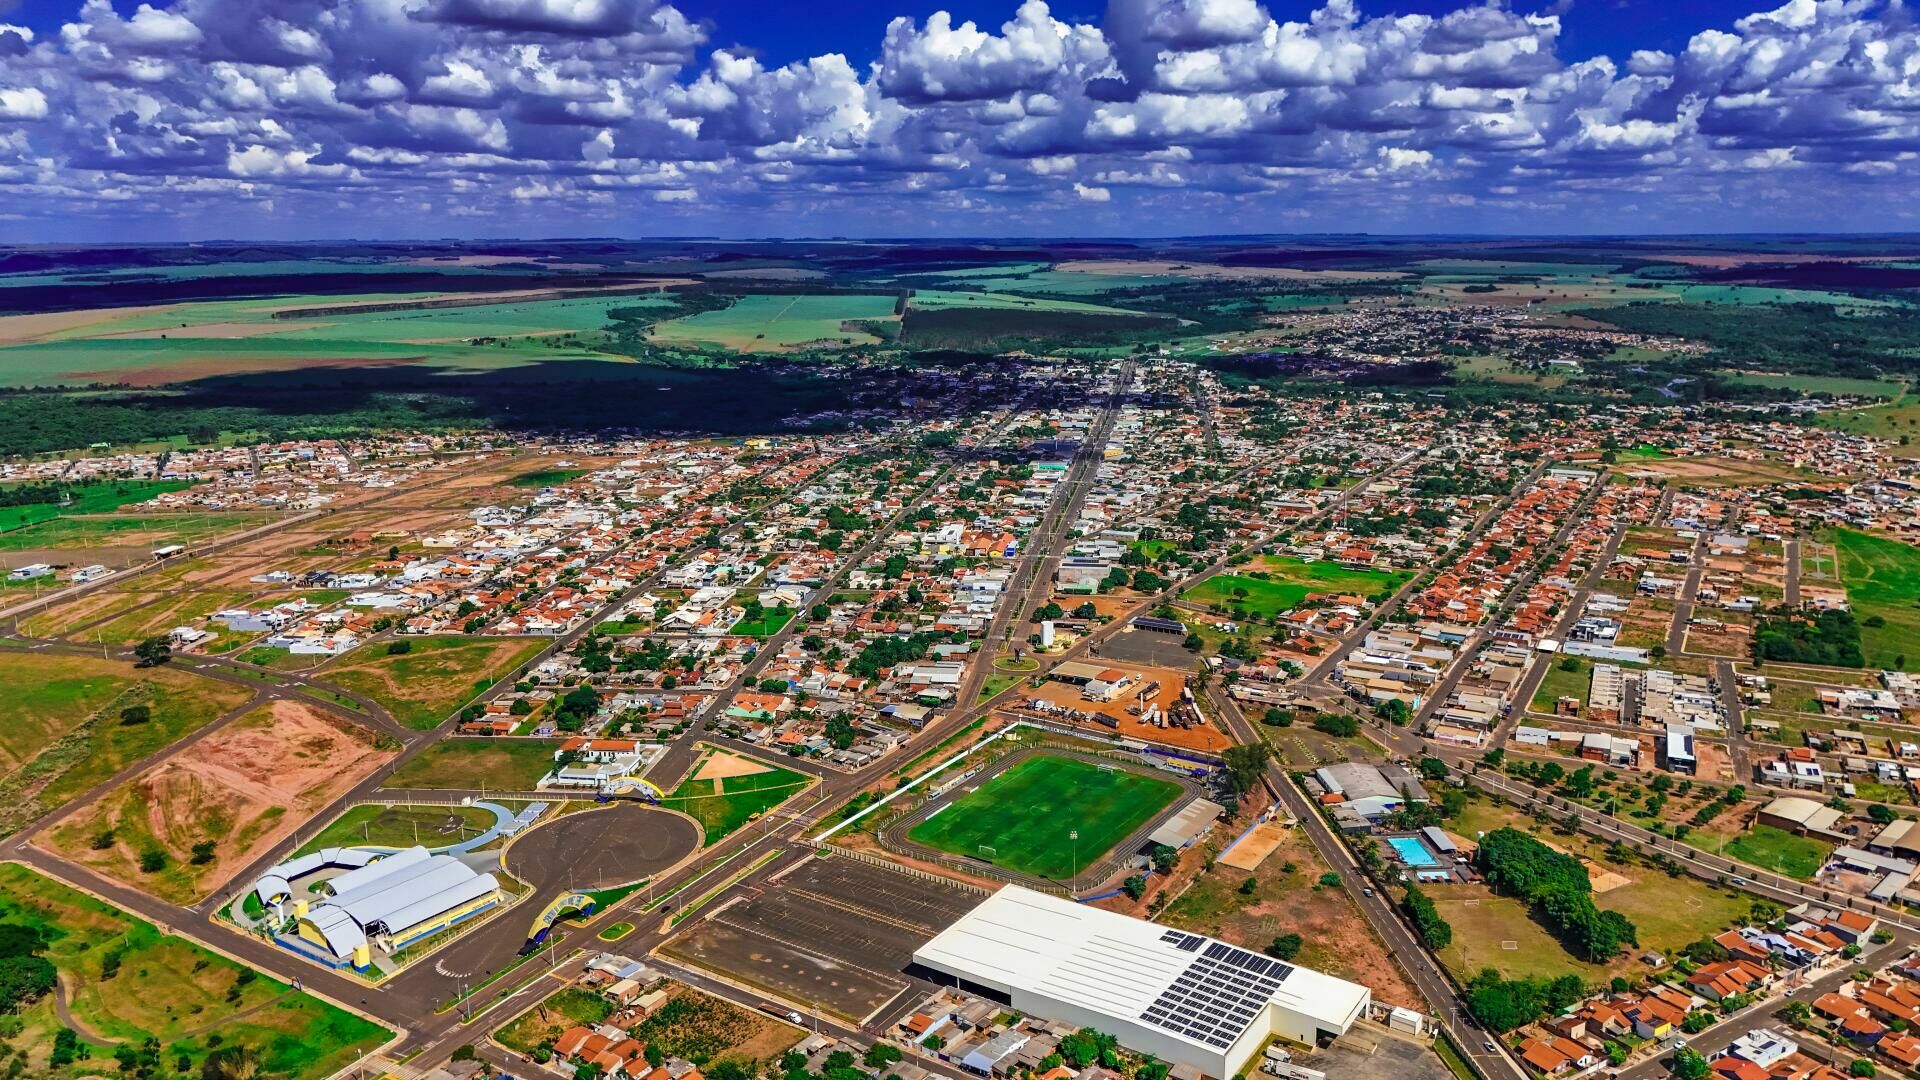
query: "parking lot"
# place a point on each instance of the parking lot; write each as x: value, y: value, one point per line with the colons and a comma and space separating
x: 834, y: 935
x: 1370, y: 1052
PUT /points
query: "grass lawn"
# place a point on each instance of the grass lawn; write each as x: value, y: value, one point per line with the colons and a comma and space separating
x: 170, y: 989
x: 769, y: 623
x: 1287, y: 581
x: 401, y: 826
x: 65, y: 731
x: 1025, y: 814
x: 993, y: 684
x: 506, y: 764
x: 1882, y: 578
x: 615, y: 932
x: 740, y: 799
x: 425, y: 685
x: 87, y: 499
x: 1779, y: 851
x: 540, y: 478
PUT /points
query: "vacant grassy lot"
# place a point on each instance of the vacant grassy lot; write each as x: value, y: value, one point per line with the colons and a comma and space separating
x: 706, y: 1029
x: 1668, y: 912
x: 439, y: 674
x: 1559, y: 683
x: 1021, y: 819
x: 401, y: 826
x: 547, y: 1021
x: 87, y: 499
x: 1779, y: 851
x: 1836, y: 385
x: 1287, y: 581
x: 540, y: 478
x: 164, y: 611
x: 769, y: 623
x: 1287, y: 898
x: 1882, y: 579
x: 123, y: 529
x: 67, y: 724
x: 505, y: 764
x: 169, y: 989
x: 739, y: 800
x: 214, y: 806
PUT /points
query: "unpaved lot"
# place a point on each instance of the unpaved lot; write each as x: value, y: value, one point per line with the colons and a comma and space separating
x: 244, y: 789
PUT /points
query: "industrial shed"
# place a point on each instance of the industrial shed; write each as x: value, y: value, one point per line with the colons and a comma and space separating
x: 1186, y: 999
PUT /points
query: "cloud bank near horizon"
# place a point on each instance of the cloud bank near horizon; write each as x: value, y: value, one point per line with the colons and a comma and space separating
x: 291, y: 118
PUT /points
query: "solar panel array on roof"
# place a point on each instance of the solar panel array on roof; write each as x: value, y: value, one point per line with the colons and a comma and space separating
x: 1183, y: 942
x: 1218, y: 995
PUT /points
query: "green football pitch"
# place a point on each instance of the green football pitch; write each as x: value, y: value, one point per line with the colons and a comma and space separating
x: 1024, y: 818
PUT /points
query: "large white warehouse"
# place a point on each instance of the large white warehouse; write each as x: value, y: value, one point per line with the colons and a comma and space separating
x: 1182, y: 997
x: 392, y: 902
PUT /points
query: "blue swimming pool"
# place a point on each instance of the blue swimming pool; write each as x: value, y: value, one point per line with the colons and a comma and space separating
x: 1412, y: 852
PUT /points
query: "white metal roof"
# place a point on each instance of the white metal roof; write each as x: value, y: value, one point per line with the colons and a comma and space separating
x: 394, y: 894
x: 1104, y: 961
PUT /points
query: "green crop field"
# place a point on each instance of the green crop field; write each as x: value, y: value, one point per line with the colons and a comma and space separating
x: 1838, y: 386
x: 1287, y: 581
x: 1882, y: 579
x: 935, y: 300
x: 740, y: 798
x: 763, y: 323
x: 128, y: 982
x: 87, y: 499
x: 1022, y: 819
x: 506, y: 764
x: 237, y: 335
x: 439, y: 674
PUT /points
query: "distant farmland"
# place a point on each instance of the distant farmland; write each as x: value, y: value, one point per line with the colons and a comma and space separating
x: 765, y: 323
x: 154, y: 346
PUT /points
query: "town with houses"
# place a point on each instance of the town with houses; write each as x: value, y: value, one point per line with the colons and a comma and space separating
x: 1138, y: 725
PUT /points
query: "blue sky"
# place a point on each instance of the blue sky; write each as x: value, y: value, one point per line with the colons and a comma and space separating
x: 322, y: 118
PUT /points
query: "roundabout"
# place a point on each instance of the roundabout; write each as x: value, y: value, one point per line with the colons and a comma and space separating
x: 601, y: 848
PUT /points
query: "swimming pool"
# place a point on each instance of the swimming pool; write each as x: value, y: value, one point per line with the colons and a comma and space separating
x: 1412, y: 852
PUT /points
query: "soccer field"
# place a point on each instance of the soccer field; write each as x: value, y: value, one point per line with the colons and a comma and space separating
x: 1023, y: 818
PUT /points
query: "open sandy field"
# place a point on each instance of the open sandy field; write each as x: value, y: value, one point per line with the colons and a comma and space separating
x: 722, y: 765
x: 1253, y: 849
x: 24, y: 329
x: 217, y: 330
x: 243, y: 789
x: 1722, y: 472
